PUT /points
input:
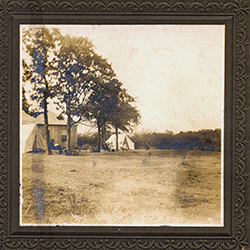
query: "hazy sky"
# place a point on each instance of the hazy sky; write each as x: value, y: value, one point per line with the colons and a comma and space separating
x: 175, y: 71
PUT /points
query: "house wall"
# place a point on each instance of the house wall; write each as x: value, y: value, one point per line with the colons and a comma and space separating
x: 59, y: 134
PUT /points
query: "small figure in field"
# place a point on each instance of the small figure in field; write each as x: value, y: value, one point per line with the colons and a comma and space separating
x: 53, y: 146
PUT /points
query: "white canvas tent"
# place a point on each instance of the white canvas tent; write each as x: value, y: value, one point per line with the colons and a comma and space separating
x: 32, y: 131
x: 32, y: 138
x: 123, y: 142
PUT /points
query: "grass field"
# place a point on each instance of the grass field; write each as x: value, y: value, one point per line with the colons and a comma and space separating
x: 141, y: 187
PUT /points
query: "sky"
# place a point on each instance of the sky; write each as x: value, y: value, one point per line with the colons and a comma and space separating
x: 176, y: 72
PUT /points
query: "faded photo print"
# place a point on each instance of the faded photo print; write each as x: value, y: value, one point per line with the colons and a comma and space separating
x: 122, y: 125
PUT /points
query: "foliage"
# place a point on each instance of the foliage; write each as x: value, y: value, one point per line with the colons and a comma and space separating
x: 81, y: 83
x: 87, y: 139
x: 124, y: 115
x: 90, y: 139
x: 104, y: 96
x: 74, y: 72
x: 109, y: 103
x: 205, y: 140
x: 25, y: 104
x: 38, y: 70
x: 74, y: 78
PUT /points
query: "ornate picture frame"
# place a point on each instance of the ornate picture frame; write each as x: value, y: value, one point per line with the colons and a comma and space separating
x: 235, y: 16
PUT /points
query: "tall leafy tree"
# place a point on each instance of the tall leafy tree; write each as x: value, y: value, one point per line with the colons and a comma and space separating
x: 40, y: 45
x: 124, y: 115
x: 104, y: 95
x: 109, y: 103
x: 75, y: 77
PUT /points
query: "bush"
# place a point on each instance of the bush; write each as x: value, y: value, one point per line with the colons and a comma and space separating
x: 87, y: 139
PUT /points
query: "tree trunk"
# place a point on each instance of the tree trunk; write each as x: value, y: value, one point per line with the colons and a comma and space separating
x: 69, y: 134
x: 45, y: 98
x: 99, y: 137
x: 46, y: 122
x: 116, y: 139
x: 103, y: 135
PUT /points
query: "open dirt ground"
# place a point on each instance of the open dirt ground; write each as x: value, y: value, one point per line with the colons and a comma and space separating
x: 141, y: 187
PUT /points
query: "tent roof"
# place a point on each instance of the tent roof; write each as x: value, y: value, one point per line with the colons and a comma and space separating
x: 122, y: 138
x: 27, y: 119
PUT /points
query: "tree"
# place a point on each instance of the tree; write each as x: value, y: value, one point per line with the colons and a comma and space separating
x: 124, y: 115
x: 25, y: 104
x: 75, y: 77
x: 40, y: 45
x: 109, y: 103
x: 100, y: 106
x: 104, y: 95
x: 26, y: 76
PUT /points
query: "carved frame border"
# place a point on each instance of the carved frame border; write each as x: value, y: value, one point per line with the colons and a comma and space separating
x: 239, y: 10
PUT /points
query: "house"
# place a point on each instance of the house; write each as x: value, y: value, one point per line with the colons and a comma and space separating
x: 32, y: 132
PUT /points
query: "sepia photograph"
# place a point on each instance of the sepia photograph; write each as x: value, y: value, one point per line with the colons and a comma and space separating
x: 122, y: 125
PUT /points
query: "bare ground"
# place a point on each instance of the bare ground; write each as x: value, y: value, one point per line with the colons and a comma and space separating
x: 160, y: 187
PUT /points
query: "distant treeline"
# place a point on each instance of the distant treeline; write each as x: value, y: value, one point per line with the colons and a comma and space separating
x: 206, y: 140
x: 91, y: 139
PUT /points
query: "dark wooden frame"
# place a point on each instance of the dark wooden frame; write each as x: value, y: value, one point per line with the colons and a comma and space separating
x: 235, y: 15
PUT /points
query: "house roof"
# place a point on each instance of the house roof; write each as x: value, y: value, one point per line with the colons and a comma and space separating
x: 27, y: 119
